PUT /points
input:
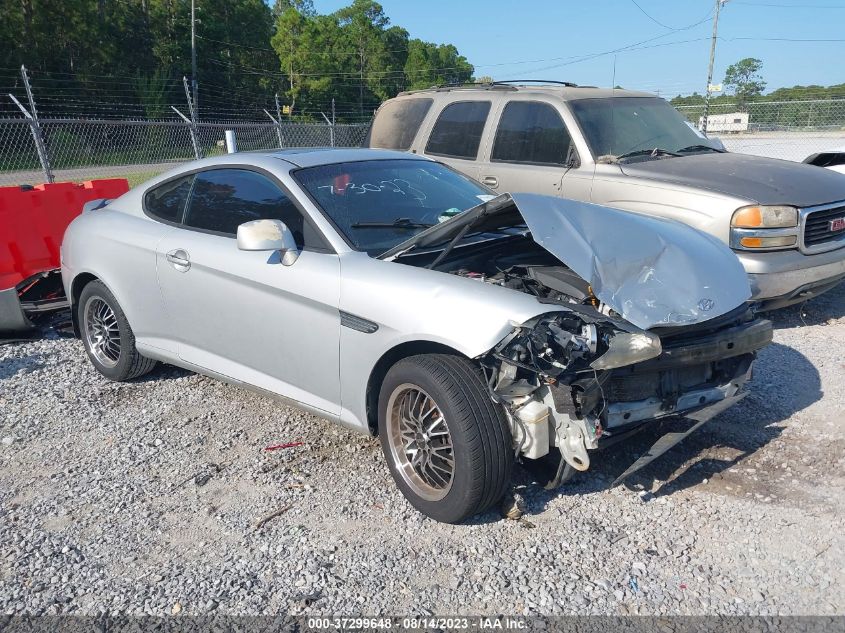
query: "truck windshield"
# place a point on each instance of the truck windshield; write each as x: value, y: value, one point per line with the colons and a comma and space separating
x: 377, y: 204
x: 620, y: 128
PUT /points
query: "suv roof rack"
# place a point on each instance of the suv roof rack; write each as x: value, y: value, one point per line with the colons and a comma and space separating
x: 568, y: 84
x: 467, y: 86
x: 506, y: 84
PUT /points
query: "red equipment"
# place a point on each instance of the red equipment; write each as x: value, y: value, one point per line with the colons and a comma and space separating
x: 32, y: 223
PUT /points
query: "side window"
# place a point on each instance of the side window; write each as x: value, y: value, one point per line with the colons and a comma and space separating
x: 457, y: 132
x: 223, y: 199
x: 531, y: 132
x: 397, y: 123
x: 167, y: 201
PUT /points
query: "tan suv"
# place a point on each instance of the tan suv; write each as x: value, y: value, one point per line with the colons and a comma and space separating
x: 634, y: 151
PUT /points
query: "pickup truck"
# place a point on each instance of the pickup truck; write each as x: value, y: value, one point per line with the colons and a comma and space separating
x: 632, y: 150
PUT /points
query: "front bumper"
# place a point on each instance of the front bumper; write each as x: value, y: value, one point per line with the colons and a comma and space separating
x: 12, y: 317
x: 688, y: 374
x: 780, y: 278
x: 33, y: 297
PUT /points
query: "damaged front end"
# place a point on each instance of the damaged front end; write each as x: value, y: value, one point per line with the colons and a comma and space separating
x: 579, y: 380
x: 647, y: 319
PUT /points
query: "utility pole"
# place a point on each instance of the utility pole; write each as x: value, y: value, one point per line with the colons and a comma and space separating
x: 194, y: 84
x: 719, y: 4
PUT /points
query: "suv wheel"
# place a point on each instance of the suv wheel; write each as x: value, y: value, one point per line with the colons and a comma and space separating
x: 447, y: 444
x: 107, y: 337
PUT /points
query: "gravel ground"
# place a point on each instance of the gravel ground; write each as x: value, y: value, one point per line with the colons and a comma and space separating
x: 144, y: 498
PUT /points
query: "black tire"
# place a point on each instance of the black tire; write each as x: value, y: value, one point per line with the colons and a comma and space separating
x: 479, y: 433
x: 128, y: 363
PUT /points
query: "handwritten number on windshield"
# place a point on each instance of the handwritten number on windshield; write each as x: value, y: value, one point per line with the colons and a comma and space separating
x: 397, y: 185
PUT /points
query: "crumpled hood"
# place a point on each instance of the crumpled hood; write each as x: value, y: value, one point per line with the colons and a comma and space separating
x: 752, y: 178
x: 653, y: 272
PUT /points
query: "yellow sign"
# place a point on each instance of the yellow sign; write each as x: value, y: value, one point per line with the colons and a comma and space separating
x: 286, y: 109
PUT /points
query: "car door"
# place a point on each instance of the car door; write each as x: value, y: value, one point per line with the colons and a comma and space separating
x: 244, y: 314
x: 456, y: 135
x: 532, y: 150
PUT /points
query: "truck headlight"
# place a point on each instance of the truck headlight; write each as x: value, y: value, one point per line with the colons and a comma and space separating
x: 758, y: 217
x: 628, y: 348
x: 764, y: 227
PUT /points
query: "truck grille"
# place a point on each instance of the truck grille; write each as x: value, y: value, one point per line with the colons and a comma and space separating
x: 817, y: 229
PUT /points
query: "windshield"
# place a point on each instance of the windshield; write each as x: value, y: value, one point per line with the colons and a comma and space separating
x: 617, y: 126
x: 381, y: 203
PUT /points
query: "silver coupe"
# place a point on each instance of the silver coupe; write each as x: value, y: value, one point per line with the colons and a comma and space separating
x: 395, y: 296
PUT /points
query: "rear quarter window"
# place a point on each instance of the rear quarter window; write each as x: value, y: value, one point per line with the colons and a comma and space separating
x: 458, y: 130
x: 167, y: 201
x: 397, y: 123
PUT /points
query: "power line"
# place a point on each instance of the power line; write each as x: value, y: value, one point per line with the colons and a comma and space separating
x: 780, y: 39
x: 653, y: 19
x: 790, y: 6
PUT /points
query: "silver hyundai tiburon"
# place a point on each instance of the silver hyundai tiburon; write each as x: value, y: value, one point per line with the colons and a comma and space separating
x: 395, y: 296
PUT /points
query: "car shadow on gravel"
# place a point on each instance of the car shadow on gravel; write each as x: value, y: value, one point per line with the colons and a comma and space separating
x: 786, y: 383
x: 162, y: 372
x: 28, y: 364
x: 818, y: 311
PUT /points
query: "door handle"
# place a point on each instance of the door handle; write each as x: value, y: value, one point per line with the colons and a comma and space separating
x: 180, y: 259
x: 490, y: 181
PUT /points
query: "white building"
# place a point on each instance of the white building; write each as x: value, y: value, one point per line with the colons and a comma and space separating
x: 733, y: 122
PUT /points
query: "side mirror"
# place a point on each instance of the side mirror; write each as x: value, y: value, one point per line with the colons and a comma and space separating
x: 268, y: 235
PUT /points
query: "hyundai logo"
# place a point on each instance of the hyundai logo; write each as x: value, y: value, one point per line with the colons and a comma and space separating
x: 705, y: 305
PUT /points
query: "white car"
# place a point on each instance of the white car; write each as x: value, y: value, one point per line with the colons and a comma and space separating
x: 831, y: 158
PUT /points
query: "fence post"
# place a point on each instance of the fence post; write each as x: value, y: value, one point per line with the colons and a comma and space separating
x: 231, y: 142
x: 279, y: 119
x: 331, y: 128
x: 278, y: 128
x: 193, y: 121
x: 35, y: 127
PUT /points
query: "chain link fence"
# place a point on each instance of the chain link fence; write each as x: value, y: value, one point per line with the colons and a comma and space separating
x: 79, y: 149
x: 791, y: 130
x: 82, y: 149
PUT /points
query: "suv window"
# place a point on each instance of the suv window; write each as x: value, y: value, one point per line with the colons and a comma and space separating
x: 223, y: 199
x: 457, y: 132
x: 398, y: 122
x: 531, y: 132
x: 167, y: 202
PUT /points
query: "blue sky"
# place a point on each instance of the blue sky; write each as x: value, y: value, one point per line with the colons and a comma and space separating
x: 547, y: 38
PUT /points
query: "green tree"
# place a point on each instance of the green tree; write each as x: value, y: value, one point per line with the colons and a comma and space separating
x: 745, y: 80
x: 363, y: 24
x: 435, y: 64
x: 305, y: 7
x: 128, y: 57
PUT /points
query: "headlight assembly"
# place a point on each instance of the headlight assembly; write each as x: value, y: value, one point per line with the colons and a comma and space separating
x: 628, y: 348
x: 764, y: 227
x: 771, y: 217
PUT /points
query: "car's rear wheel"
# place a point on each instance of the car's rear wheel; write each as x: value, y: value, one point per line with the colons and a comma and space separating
x: 107, y: 337
x: 447, y: 443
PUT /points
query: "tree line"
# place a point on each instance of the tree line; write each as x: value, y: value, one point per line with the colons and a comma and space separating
x: 128, y: 57
x: 745, y: 86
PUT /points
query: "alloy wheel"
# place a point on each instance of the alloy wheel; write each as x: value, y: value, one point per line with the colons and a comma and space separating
x: 102, y: 332
x: 420, y: 443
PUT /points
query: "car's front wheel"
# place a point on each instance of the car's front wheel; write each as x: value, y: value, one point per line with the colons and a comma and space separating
x: 447, y: 443
x: 108, y: 339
